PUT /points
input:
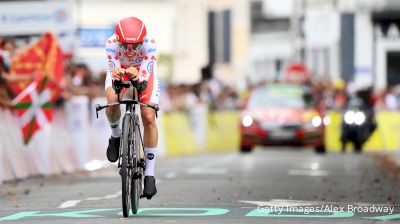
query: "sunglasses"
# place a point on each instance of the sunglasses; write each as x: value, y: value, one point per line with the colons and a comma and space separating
x: 127, y: 46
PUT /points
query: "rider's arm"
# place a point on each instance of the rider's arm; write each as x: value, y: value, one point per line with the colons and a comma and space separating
x: 112, y: 55
x: 149, y: 63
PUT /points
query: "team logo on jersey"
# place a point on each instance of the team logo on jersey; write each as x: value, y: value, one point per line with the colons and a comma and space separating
x: 109, y: 50
x: 138, y: 60
x: 151, y: 50
x: 111, y: 66
x: 150, y: 67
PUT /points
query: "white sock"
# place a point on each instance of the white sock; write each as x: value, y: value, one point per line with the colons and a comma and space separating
x: 150, y: 158
x: 115, y: 130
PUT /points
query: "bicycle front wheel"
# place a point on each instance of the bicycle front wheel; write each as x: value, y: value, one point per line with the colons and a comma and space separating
x: 136, y: 189
x: 126, y: 168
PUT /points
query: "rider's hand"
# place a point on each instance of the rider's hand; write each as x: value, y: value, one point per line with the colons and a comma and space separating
x: 132, y: 72
x: 118, y: 73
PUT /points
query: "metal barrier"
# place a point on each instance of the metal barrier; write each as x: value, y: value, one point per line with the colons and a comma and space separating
x: 76, y: 140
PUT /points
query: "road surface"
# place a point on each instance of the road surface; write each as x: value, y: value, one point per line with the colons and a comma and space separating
x: 277, y: 185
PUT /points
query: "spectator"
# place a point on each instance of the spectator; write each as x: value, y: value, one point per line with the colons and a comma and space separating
x: 391, y: 100
x: 4, y: 94
x: 77, y: 80
x: 97, y: 86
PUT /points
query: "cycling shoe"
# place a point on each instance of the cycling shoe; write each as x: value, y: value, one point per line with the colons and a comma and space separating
x: 113, y: 149
x: 149, y: 187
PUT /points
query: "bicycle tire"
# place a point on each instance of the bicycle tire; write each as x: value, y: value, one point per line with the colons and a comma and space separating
x: 136, y: 189
x: 126, y: 171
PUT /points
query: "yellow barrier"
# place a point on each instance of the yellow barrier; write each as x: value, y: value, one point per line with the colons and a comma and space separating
x: 179, y: 139
x: 222, y: 133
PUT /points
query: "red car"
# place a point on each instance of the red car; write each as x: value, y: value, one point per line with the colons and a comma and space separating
x: 279, y: 115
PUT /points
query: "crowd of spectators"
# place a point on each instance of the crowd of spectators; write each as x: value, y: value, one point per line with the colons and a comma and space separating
x: 213, y: 94
x: 334, y: 95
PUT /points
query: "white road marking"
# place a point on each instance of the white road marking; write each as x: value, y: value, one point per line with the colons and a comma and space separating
x: 312, y: 173
x: 73, y: 203
x: 69, y: 204
x: 110, y: 196
x: 314, y: 165
x: 170, y: 175
x: 209, y: 167
x: 218, y: 162
x: 215, y: 171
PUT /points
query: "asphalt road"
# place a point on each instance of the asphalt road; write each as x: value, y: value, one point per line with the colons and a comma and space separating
x: 265, y: 186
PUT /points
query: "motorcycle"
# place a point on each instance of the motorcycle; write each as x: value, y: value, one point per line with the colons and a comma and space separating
x: 358, y: 124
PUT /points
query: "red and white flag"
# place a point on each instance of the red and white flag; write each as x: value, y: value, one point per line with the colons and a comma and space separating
x: 34, y: 106
x: 33, y: 101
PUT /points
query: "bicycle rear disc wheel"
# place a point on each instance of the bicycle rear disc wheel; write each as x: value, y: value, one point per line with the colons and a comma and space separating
x: 126, y: 171
x: 137, y: 180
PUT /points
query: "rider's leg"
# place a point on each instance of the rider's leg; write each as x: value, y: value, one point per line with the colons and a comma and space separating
x: 151, y: 96
x: 113, y: 113
x: 150, y: 149
x: 150, y: 138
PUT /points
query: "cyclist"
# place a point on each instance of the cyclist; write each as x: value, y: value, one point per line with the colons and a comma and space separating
x: 130, y: 51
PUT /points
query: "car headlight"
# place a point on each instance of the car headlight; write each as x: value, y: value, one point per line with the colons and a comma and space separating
x: 316, y: 121
x: 359, y: 118
x: 351, y: 117
x: 247, y: 121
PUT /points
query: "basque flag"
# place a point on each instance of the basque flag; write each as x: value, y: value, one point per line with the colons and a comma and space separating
x: 34, y: 106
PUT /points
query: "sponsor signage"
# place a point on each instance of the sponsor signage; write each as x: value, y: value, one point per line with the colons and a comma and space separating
x: 94, y: 37
x: 42, y: 16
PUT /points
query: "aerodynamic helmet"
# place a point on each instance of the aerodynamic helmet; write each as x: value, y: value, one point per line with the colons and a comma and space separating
x: 130, y: 30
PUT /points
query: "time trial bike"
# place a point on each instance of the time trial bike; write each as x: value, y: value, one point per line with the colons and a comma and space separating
x: 131, y: 161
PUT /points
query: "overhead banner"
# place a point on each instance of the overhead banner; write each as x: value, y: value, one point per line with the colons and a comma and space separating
x: 36, y: 17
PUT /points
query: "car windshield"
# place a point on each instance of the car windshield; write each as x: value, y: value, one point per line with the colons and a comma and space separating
x: 277, y: 97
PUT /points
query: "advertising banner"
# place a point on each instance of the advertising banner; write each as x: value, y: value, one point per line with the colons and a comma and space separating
x: 41, y: 16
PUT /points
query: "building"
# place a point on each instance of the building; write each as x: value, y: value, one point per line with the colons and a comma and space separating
x: 353, y: 40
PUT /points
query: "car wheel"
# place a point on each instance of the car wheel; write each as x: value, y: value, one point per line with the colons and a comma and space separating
x: 320, y: 149
x: 245, y: 149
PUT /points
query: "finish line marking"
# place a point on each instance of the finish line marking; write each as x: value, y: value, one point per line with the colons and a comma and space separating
x: 328, y: 213
x: 312, y: 173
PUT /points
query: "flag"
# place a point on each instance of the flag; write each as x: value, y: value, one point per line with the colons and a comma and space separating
x: 34, y: 105
x: 44, y: 56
